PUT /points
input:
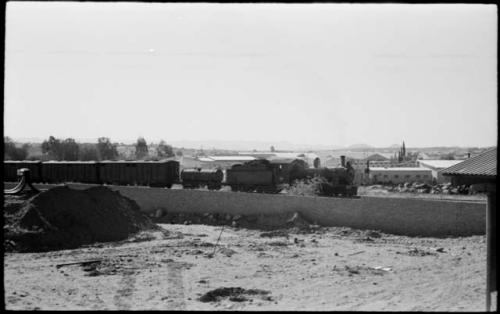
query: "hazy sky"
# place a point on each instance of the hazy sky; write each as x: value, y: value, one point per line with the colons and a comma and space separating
x: 333, y: 74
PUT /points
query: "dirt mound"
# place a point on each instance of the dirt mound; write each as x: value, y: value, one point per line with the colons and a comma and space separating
x: 63, y: 218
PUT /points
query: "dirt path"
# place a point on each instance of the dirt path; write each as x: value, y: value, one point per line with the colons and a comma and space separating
x: 331, y: 269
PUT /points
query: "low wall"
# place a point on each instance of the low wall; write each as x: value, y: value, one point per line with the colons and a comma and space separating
x: 403, y: 216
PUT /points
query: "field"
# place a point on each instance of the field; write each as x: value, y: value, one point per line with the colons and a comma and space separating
x: 288, y: 269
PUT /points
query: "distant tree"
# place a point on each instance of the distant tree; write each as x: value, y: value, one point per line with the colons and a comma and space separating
x: 11, y: 152
x: 57, y: 149
x: 412, y: 156
x: 38, y: 157
x: 272, y: 149
x: 449, y: 156
x: 88, y: 152
x: 163, y: 150
x: 52, y: 148
x: 8, y: 144
x: 105, y: 149
x: 69, y: 149
x: 178, y: 153
x: 141, y: 148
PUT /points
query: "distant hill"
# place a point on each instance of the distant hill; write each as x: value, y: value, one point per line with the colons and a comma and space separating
x: 249, y: 145
x: 360, y: 146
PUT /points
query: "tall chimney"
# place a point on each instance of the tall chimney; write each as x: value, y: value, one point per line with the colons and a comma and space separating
x: 342, y: 161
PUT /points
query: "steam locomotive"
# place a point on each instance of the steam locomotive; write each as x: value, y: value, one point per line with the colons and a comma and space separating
x: 261, y: 175
x: 270, y: 177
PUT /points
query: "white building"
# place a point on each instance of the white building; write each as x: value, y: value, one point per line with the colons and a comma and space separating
x: 400, y: 175
x: 436, y: 166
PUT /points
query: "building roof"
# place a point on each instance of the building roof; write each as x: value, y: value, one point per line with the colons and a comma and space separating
x: 259, y: 154
x: 399, y: 169
x: 438, y: 164
x: 226, y: 158
x: 423, y: 155
x: 484, y: 164
x: 282, y: 155
x: 362, y: 155
x: 385, y: 156
x: 205, y: 159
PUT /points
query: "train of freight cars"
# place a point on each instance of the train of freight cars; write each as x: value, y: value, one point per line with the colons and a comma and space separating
x: 258, y: 175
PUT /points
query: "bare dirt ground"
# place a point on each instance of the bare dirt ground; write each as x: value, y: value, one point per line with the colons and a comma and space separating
x: 323, y: 269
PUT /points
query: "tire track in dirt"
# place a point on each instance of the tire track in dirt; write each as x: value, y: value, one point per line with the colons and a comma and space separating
x: 126, y: 289
x: 175, y: 286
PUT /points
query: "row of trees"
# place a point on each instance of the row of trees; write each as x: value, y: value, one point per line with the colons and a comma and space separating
x: 402, y: 155
x: 12, y: 152
x: 69, y: 150
x: 163, y: 150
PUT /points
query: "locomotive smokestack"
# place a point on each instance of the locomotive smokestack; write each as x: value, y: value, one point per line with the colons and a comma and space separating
x: 342, y: 161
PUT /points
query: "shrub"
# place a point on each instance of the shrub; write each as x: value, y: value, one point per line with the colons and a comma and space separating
x: 307, y: 187
x: 164, y: 150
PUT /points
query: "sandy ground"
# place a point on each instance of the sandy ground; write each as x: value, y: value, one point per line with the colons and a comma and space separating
x: 329, y: 269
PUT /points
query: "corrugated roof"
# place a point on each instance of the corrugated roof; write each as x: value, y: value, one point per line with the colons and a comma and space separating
x: 484, y: 164
x: 439, y: 164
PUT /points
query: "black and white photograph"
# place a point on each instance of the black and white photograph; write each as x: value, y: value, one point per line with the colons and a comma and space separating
x: 186, y: 156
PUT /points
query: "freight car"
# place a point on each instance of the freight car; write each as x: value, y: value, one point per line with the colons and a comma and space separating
x: 68, y: 171
x: 256, y: 175
x: 148, y: 173
x: 197, y: 177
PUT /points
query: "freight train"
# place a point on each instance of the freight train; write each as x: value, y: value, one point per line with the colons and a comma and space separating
x: 261, y: 175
